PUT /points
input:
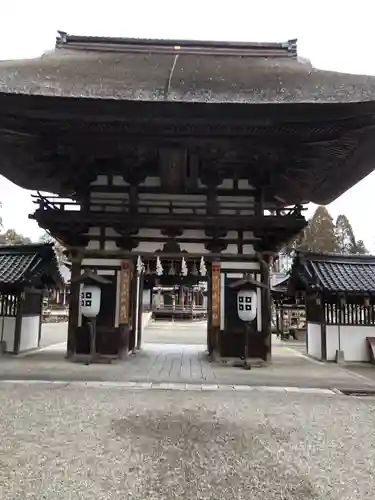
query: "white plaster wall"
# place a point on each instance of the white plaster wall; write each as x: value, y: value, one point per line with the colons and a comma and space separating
x: 93, y: 245
x: 29, y: 332
x: 240, y: 266
x: 167, y: 198
x: 149, y: 246
x: 231, y: 249
x: 94, y: 231
x: 226, y: 184
x: 101, y: 180
x: 7, y: 332
x: 109, y: 197
x: 352, y: 342
x: 197, y: 248
x: 151, y: 182
x: 110, y: 245
x: 100, y: 262
x: 118, y: 180
x: 248, y: 250
x: 332, y: 341
x: 314, y: 340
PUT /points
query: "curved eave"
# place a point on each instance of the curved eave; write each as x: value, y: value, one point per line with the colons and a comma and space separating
x: 58, y: 108
x: 22, y: 118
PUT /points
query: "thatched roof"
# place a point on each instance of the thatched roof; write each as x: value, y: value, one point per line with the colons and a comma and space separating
x: 177, y: 70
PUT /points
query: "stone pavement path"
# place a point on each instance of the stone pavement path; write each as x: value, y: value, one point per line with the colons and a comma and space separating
x: 185, y: 364
x: 75, y: 442
x: 53, y: 333
x: 176, y: 332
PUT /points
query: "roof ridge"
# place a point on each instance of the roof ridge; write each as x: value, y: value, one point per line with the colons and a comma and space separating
x: 177, y: 46
x: 307, y: 254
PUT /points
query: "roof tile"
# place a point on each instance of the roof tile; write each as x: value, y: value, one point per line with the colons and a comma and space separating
x: 27, y: 264
x: 14, y: 267
x: 336, y: 273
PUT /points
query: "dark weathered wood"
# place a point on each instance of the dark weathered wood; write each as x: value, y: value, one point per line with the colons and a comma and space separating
x: 215, y: 310
x: 74, y: 299
x: 187, y: 221
x: 298, y: 145
x: 133, y: 312
x: 18, y: 324
x: 238, y: 338
x: 266, y: 305
x: 323, y: 326
x: 209, y: 305
x: 140, y: 312
x: 125, y: 311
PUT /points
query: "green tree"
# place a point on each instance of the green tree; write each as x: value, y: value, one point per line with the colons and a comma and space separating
x: 346, y: 239
x: 318, y: 236
x: 360, y: 248
x: 11, y: 237
x: 345, y: 235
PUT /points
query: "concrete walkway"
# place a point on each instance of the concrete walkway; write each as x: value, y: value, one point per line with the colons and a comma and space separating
x: 175, y: 363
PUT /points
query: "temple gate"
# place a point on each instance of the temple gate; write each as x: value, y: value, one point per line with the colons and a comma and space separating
x: 170, y: 150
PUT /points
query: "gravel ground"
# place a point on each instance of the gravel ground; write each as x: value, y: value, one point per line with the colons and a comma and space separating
x: 66, y: 442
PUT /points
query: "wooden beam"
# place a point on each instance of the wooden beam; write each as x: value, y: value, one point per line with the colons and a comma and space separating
x: 158, y: 190
x: 157, y: 221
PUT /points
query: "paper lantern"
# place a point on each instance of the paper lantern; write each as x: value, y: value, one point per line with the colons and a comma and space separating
x: 247, y: 305
x: 90, y: 300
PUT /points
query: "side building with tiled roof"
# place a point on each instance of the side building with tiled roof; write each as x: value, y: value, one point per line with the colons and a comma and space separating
x: 340, y: 303
x: 26, y: 271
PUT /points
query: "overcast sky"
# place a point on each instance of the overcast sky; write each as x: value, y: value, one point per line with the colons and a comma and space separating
x: 331, y: 33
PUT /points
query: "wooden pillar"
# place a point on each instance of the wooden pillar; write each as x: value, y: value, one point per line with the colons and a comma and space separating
x: 18, y: 323
x: 278, y: 319
x: 209, y: 317
x: 133, y: 310
x: 215, y: 308
x: 125, y: 323
x: 74, y: 299
x: 140, y: 311
x: 323, y: 323
x: 259, y: 203
x: 266, y: 306
x: 40, y: 312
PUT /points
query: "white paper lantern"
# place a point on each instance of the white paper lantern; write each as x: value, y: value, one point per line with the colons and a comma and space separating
x: 90, y: 300
x: 247, y: 305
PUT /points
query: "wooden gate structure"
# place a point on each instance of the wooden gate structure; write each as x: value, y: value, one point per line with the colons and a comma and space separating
x: 176, y: 148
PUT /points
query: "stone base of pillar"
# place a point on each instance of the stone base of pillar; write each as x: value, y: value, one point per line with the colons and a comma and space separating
x: 232, y: 343
x: 124, y: 338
